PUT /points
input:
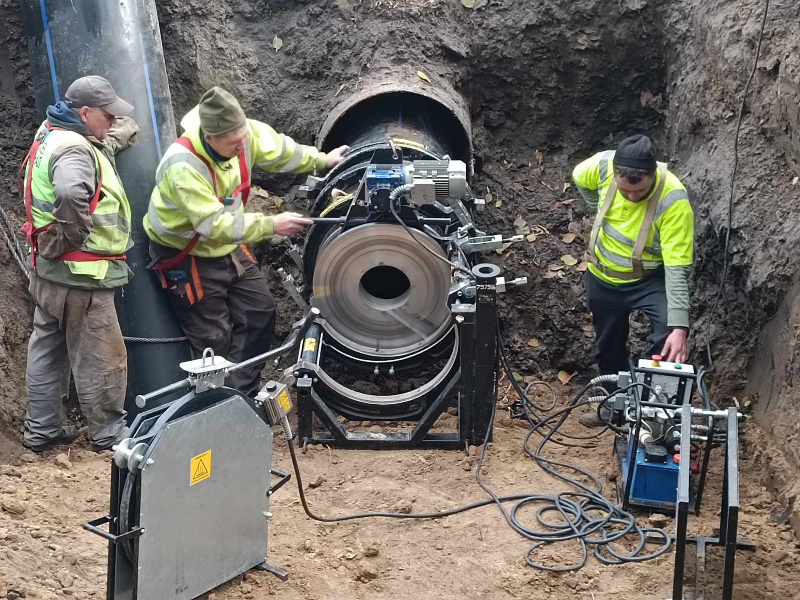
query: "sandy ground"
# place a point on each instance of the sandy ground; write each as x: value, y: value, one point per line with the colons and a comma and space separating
x: 45, y: 553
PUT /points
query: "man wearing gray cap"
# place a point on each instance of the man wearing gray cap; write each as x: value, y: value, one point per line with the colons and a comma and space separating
x: 199, y: 230
x: 78, y: 228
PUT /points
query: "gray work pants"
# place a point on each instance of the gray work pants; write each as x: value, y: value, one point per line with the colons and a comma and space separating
x: 77, y: 330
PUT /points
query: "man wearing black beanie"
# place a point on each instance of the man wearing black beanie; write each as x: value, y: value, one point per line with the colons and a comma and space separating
x: 640, y: 253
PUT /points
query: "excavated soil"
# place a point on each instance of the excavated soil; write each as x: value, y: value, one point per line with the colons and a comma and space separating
x: 45, y: 554
x: 548, y: 82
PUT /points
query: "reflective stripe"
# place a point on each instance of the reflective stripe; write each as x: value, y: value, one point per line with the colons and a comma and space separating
x: 279, y: 157
x: 621, y: 260
x: 184, y: 157
x: 668, y: 200
x: 613, y: 233
x: 93, y: 250
x: 42, y: 205
x: 207, y: 224
x: 607, y: 155
x: 295, y: 161
x: 237, y: 237
x: 248, y: 155
x: 111, y: 220
x: 155, y: 222
x: 592, y: 197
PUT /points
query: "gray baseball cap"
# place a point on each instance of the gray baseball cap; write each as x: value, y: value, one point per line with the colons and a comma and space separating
x: 96, y: 92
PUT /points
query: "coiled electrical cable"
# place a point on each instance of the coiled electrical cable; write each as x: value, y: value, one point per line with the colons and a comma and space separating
x: 588, y: 517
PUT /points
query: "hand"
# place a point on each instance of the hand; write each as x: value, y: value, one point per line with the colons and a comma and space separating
x: 334, y: 157
x: 676, y: 348
x: 289, y: 223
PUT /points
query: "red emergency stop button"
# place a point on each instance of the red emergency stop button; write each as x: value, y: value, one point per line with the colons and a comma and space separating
x: 657, y: 358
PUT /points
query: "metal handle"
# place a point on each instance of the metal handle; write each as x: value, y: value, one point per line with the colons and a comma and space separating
x: 94, y: 527
x: 142, y: 399
x: 284, y: 478
x: 305, y: 325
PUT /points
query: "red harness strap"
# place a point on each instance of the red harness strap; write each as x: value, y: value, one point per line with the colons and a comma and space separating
x: 244, y: 188
x: 31, y: 232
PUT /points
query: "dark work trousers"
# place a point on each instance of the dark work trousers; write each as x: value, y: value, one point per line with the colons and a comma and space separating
x: 224, y: 304
x: 611, y: 306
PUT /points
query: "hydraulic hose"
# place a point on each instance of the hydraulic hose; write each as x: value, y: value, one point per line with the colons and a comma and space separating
x: 589, y: 518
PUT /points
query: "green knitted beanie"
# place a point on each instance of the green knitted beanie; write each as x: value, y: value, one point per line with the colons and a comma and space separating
x: 220, y: 112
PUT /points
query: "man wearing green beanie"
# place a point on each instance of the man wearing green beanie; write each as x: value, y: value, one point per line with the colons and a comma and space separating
x: 199, y: 231
x: 640, y: 253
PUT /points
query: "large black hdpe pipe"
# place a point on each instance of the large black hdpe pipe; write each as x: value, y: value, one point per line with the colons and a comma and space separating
x: 119, y: 40
x: 419, y: 120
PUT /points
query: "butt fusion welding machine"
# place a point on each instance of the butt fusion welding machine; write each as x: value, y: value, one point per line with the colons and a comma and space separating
x: 647, y: 414
x: 663, y: 448
x: 190, y: 488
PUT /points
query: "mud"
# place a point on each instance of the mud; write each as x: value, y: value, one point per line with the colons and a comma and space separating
x: 548, y: 84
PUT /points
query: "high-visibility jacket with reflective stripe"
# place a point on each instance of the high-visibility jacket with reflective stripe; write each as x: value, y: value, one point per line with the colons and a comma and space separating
x: 184, y: 201
x: 670, y: 241
x: 110, y: 234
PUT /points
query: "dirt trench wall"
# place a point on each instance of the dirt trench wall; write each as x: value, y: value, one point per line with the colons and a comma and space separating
x: 548, y: 83
x: 754, y: 336
x: 17, y: 124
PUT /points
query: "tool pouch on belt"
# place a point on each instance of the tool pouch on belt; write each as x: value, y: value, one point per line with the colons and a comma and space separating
x: 181, y: 279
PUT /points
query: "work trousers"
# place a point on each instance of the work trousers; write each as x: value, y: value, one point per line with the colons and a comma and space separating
x: 75, y: 330
x: 224, y: 304
x: 611, y: 306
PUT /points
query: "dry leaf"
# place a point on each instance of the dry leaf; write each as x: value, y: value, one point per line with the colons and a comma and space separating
x: 518, y: 378
x: 468, y: 3
x: 503, y: 249
x: 539, y: 157
x: 278, y: 202
x: 489, y: 197
x: 556, y: 267
x: 259, y: 191
x: 521, y: 226
x: 423, y: 76
x: 533, y: 343
x: 795, y: 180
x: 568, y: 238
x: 566, y: 187
x: 588, y: 328
x: 530, y: 378
x: 565, y: 377
x: 277, y: 43
x: 568, y: 259
x: 565, y: 202
x: 582, y: 267
x: 575, y: 227
x: 531, y: 237
x: 341, y: 89
x: 554, y: 275
x: 498, y: 204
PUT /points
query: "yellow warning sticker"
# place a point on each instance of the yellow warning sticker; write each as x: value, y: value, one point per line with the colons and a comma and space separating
x: 285, y: 401
x: 201, y: 468
x: 310, y: 345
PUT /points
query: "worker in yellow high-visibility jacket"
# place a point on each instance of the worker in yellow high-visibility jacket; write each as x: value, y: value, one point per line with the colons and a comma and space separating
x: 199, y: 231
x: 640, y: 253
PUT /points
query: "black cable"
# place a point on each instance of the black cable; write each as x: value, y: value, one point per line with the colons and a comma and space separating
x: 733, y: 189
x: 124, y: 513
x: 574, y: 507
x: 438, y: 256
